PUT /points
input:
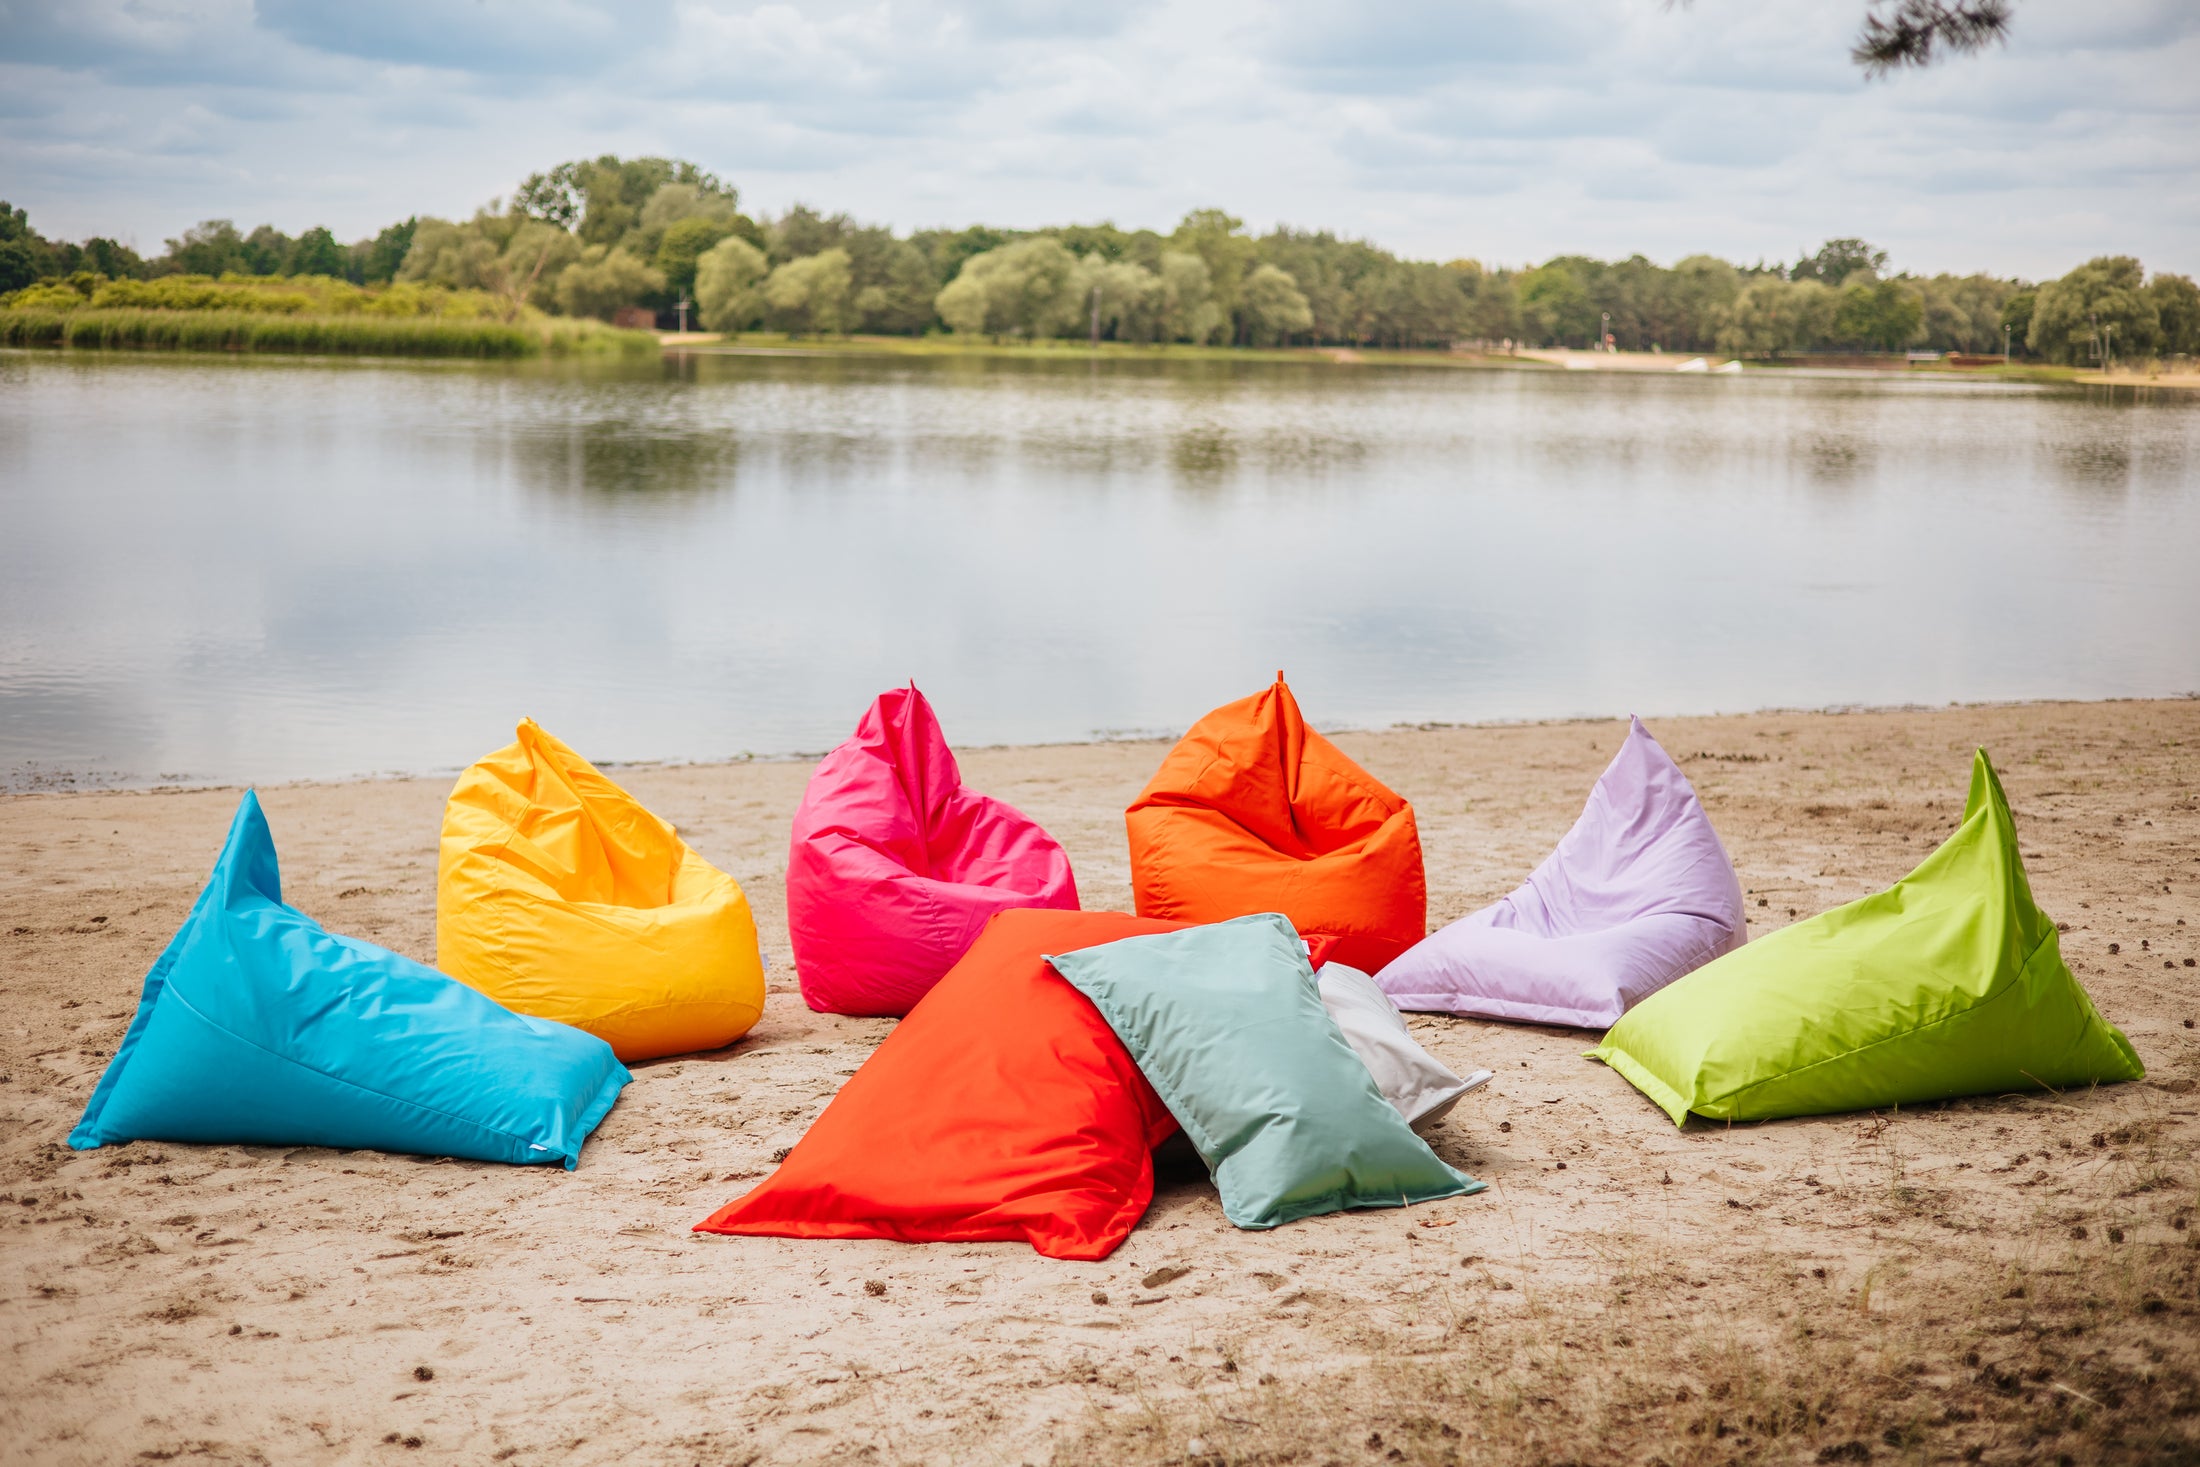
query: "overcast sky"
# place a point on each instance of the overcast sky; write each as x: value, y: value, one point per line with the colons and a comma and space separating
x: 1506, y: 130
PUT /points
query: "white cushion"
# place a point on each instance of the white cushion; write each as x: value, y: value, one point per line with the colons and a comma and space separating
x: 1417, y: 1084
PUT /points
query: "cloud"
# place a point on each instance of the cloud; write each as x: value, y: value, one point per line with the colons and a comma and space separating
x: 533, y: 38
x: 1354, y: 46
x: 191, y: 43
x: 1509, y: 130
x: 1050, y: 20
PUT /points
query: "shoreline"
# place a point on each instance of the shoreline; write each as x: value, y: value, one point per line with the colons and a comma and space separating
x: 1894, y: 1270
x: 674, y: 346
x: 84, y: 783
x: 566, y: 339
x: 1523, y: 358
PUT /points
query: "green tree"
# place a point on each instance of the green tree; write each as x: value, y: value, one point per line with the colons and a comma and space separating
x: 534, y: 259
x: 1772, y: 315
x: 1029, y: 288
x: 115, y: 261
x: 2016, y: 319
x: 1218, y: 239
x: 604, y: 279
x: 19, y: 248
x: 948, y: 249
x: 815, y: 293
x: 1122, y: 294
x: 1273, y: 307
x: 601, y: 199
x: 1187, y: 308
x: 670, y: 206
x: 803, y: 231
x: 1703, y: 290
x: 18, y: 265
x: 1312, y: 261
x: 1963, y: 312
x: 1410, y: 303
x: 2177, y: 307
x: 513, y: 256
x: 316, y: 253
x: 458, y: 256
x: 1112, y: 245
x: 379, y: 259
x: 1882, y: 313
x: 267, y: 251
x: 554, y: 197
x: 1493, y: 307
x: 894, y: 283
x: 211, y: 247
x: 683, y: 245
x: 726, y: 279
x: 2096, y: 313
x: 1837, y: 260
x: 1555, y: 309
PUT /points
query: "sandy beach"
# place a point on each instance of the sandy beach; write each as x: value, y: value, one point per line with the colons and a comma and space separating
x: 2005, y: 1279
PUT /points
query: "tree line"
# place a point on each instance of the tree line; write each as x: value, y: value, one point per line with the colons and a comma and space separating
x: 593, y: 237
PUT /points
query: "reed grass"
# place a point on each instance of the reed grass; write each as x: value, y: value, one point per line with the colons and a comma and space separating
x: 268, y: 295
x: 128, y: 328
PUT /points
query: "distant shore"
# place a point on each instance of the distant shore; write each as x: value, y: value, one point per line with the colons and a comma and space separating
x: 366, y: 336
x: 1480, y: 356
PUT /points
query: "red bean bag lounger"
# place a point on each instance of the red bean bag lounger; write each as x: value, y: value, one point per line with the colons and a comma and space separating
x: 1002, y: 1109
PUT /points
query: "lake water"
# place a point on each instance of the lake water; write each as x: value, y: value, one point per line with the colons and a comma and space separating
x: 260, y: 570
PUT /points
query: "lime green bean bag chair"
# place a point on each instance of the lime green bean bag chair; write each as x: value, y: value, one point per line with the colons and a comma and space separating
x: 1951, y: 982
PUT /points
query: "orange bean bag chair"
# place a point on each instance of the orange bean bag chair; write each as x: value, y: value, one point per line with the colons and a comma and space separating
x: 1255, y: 812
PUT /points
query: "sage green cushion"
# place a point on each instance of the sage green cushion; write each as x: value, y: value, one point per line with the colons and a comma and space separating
x: 1227, y: 1023
x: 1951, y: 982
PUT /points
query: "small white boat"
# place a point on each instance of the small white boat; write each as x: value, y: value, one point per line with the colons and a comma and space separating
x: 1694, y: 364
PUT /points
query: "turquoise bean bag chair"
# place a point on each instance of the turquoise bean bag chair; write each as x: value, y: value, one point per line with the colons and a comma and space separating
x: 257, y: 1026
x: 1950, y: 982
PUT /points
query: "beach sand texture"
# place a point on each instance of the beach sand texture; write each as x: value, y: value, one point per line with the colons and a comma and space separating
x: 2014, y: 1275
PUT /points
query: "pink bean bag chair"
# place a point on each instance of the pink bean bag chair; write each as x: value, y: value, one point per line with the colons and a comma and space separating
x: 1638, y: 893
x: 895, y: 867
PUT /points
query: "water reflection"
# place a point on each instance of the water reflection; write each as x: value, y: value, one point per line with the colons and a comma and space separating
x: 1836, y: 461
x: 616, y: 460
x: 1204, y: 457
x: 2093, y: 463
x: 258, y: 570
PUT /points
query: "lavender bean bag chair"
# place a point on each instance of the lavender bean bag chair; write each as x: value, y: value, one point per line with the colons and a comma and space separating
x: 1639, y: 892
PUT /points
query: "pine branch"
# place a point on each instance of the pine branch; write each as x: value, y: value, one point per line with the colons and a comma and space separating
x: 1913, y: 32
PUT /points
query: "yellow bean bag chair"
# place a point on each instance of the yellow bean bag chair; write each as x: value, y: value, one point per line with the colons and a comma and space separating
x: 558, y: 895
